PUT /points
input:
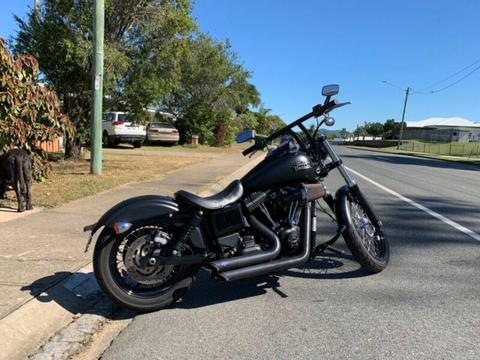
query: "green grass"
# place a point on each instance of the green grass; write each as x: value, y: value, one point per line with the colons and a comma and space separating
x: 393, y: 150
x: 470, y: 149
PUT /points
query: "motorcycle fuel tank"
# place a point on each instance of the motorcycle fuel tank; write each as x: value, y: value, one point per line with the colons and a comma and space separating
x: 280, y: 170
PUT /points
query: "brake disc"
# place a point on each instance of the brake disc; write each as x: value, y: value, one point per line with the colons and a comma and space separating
x: 146, y: 275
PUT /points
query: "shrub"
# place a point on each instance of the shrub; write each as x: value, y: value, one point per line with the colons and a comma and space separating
x: 29, y: 111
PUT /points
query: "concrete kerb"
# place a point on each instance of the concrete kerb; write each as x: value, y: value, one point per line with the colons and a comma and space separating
x: 59, y: 328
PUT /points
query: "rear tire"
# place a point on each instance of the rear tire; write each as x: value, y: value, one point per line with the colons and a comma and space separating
x: 133, y: 299
x: 137, y: 144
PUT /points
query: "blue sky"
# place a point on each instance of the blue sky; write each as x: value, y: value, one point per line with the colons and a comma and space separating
x: 294, y: 47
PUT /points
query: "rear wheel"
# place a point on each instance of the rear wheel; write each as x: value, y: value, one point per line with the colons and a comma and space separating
x: 126, y: 282
x: 137, y: 144
x: 366, y: 241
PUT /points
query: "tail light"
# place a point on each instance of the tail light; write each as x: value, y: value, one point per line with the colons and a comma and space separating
x: 174, y: 131
x: 117, y: 122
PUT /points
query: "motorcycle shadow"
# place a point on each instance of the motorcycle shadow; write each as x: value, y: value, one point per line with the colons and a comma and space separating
x: 205, y: 292
x: 78, y: 292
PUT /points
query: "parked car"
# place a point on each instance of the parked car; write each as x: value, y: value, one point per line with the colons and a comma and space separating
x: 117, y: 128
x: 162, y: 132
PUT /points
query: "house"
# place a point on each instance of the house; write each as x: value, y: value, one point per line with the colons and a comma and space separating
x: 449, y: 129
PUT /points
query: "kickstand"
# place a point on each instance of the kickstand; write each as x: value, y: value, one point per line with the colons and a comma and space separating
x: 320, y: 249
x: 336, y: 251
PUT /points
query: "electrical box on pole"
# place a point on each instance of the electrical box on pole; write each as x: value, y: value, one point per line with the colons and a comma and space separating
x: 97, y: 89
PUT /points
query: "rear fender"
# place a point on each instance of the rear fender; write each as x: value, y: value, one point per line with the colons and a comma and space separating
x: 145, y: 209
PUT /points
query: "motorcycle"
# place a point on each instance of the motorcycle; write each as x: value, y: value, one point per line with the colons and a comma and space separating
x: 151, y: 247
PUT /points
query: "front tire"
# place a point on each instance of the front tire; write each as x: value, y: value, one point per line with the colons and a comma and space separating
x: 366, y: 241
x: 140, y: 297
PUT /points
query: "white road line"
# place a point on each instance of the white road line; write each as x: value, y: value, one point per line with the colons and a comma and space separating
x: 436, y: 215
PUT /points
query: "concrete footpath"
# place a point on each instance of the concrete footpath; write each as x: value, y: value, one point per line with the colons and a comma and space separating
x: 45, y: 277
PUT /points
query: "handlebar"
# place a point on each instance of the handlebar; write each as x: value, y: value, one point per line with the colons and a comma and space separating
x: 318, y: 110
x: 259, y: 145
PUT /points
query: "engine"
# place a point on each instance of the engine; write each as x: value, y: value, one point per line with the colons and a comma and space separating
x: 279, y: 209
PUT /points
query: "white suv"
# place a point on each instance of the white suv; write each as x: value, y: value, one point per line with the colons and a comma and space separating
x: 117, y: 128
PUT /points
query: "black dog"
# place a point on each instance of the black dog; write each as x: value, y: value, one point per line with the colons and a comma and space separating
x: 16, y: 171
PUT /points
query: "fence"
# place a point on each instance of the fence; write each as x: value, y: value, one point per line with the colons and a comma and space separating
x: 465, y: 149
x: 51, y: 146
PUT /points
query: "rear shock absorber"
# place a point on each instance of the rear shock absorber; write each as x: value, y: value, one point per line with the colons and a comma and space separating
x: 189, y: 227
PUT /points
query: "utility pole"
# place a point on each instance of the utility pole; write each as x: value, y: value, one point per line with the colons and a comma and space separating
x: 97, y: 89
x: 407, y: 91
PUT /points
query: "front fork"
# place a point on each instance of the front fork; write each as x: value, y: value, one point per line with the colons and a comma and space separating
x: 354, y: 189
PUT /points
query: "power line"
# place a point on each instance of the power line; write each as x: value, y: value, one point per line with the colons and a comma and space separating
x: 451, y: 76
x: 456, y: 82
x: 422, y: 91
x: 393, y: 85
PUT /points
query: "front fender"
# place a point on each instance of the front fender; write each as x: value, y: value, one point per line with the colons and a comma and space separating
x: 342, y: 209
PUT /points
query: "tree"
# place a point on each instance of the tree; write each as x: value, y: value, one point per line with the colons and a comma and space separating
x: 374, y: 129
x: 213, y: 91
x: 143, y: 40
x: 29, y: 112
x: 344, y: 133
x: 360, y: 131
x: 391, y: 129
x: 266, y: 122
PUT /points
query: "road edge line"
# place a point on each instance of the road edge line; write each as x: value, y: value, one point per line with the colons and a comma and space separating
x: 436, y: 215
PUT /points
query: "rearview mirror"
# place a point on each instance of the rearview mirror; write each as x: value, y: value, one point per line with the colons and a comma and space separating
x: 245, y: 136
x: 330, y: 90
x: 329, y: 121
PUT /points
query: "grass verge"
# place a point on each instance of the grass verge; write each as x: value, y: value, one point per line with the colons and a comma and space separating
x: 393, y: 150
x: 70, y: 180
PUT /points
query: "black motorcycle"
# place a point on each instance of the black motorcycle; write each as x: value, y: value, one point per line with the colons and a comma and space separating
x: 151, y: 247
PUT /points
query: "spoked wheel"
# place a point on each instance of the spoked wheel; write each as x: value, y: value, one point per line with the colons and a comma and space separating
x: 117, y: 265
x: 366, y: 241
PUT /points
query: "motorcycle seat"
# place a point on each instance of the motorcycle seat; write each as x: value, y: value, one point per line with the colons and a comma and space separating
x: 227, y: 196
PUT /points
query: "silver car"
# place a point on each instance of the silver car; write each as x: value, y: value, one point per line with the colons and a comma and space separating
x: 162, y: 132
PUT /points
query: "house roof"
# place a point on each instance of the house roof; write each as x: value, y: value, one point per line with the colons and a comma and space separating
x: 443, y: 122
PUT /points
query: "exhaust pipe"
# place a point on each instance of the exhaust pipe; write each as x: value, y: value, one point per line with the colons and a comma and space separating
x: 280, y: 264
x: 252, y: 259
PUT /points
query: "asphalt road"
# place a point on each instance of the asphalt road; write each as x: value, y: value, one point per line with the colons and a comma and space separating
x: 424, y: 306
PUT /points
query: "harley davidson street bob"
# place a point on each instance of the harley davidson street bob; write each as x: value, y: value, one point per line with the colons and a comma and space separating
x: 151, y: 247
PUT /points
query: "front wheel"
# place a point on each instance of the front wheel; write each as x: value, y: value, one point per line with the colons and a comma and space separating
x: 366, y: 241
x: 144, y: 289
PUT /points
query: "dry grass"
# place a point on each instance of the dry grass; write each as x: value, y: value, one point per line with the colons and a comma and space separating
x: 71, y: 180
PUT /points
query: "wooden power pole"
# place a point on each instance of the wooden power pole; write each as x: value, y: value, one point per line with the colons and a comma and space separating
x: 407, y: 92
